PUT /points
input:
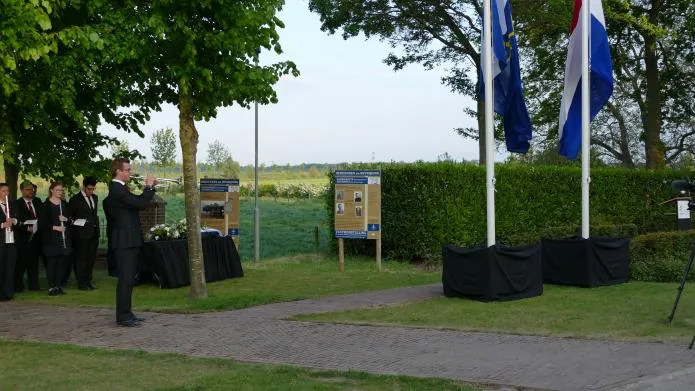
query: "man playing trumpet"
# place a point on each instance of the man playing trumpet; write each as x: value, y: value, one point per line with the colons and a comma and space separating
x: 125, y: 236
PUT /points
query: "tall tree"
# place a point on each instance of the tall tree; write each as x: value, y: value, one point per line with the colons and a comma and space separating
x: 217, y: 153
x: 649, y: 117
x: 199, y: 56
x: 164, y: 147
x: 430, y: 32
x: 61, y: 92
x: 220, y: 157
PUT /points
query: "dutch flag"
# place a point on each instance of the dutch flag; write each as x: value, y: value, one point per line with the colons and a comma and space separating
x: 601, y: 80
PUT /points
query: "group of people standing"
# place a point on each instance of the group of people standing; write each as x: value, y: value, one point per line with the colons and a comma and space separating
x: 64, y: 235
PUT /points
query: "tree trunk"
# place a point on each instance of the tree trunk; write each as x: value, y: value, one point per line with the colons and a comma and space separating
x: 481, y: 132
x: 189, y: 149
x: 11, y: 178
x: 654, y: 147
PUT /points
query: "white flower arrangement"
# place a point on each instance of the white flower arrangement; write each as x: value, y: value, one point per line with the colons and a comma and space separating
x: 168, y: 231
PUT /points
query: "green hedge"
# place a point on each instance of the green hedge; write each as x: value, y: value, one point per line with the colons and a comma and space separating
x: 427, y: 205
x: 660, y: 256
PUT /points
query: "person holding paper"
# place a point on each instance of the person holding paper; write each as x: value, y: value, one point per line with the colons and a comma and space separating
x: 8, y: 249
x: 57, y: 239
x: 125, y: 234
x: 85, y: 229
x: 27, y: 210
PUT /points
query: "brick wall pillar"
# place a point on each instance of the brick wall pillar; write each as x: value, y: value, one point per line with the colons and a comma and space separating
x: 152, y: 215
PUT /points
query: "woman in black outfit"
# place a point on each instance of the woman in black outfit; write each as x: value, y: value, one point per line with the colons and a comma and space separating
x: 57, y: 244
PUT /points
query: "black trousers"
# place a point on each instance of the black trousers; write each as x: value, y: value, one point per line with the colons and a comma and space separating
x: 127, y: 259
x: 8, y: 257
x: 27, y: 262
x: 55, y: 266
x: 85, y: 255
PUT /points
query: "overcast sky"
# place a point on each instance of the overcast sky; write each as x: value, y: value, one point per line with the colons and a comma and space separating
x: 346, y: 106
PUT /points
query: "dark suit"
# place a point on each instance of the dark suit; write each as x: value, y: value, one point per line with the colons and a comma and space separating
x: 28, y: 245
x: 85, y: 238
x: 125, y: 237
x: 57, y: 248
x: 8, y: 257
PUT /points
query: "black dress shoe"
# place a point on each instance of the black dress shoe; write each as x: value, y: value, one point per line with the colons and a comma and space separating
x: 135, y: 318
x: 127, y: 323
x: 90, y: 286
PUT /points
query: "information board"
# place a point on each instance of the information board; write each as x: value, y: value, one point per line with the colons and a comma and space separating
x: 357, y: 203
x: 219, y: 206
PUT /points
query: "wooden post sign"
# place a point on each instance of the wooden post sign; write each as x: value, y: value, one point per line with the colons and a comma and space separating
x: 357, y: 209
x: 219, y: 206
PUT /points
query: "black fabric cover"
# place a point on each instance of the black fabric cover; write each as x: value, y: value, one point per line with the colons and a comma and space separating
x: 586, y: 262
x: 493, y: 273
x: 167, y: 261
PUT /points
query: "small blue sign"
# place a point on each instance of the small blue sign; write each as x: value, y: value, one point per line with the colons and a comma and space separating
x: 354, y: 173
x: 373, y: 227
x: 233, y: 232
x: 350, y: 234
x: 210, y: 185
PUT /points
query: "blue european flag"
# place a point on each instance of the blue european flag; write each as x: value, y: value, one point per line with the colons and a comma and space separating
x: 508, y: 94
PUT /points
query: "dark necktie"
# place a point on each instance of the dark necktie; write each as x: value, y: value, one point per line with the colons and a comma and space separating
x: 31, y: 210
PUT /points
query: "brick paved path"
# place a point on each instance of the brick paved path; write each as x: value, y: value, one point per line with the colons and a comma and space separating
x: 260, y: 335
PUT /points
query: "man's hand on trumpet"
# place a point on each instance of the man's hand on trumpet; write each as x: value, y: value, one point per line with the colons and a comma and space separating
x: 150, y: 181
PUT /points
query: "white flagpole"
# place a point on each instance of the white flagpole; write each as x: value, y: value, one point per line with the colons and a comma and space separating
x: 585, y: 19
x: 489, y: 135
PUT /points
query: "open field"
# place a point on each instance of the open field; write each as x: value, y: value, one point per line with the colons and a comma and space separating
x: 633, y: 311
x: 284, y: 279
x: 41, y: 366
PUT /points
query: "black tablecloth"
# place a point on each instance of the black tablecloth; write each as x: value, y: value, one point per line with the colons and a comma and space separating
x: 493, y: 273
x: 586, y: 262
x: 167, y: 261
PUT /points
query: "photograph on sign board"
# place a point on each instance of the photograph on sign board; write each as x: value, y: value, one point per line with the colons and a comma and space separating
x: 340, y: 208
x: 340, y: 195
x: 358, y: 211
x: 212, y: 208
x: 358, y: 197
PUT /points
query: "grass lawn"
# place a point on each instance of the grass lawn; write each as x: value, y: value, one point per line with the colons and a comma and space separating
x: 636, y: 310
x: 40, y: 366
x: 284, y: 279
x: 287, y: 227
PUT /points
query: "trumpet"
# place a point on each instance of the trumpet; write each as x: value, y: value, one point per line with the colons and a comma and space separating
x: 165, y: 181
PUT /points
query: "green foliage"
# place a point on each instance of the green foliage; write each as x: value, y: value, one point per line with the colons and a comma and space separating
x: 221, y: 160
x: 425, y: 206
x: 69, y: 75
x: 288, y: 191
x: 660, y: 256
x: 652, y: 104
x: 164, y: 147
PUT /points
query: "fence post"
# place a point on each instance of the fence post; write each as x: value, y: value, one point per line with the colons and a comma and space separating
x: 317, y: 244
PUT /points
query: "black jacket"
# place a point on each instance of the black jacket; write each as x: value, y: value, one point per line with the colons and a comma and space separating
x: 52, y: 241
x: 79, y: 209
x: 122, y: 211
x: 21, y: 212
